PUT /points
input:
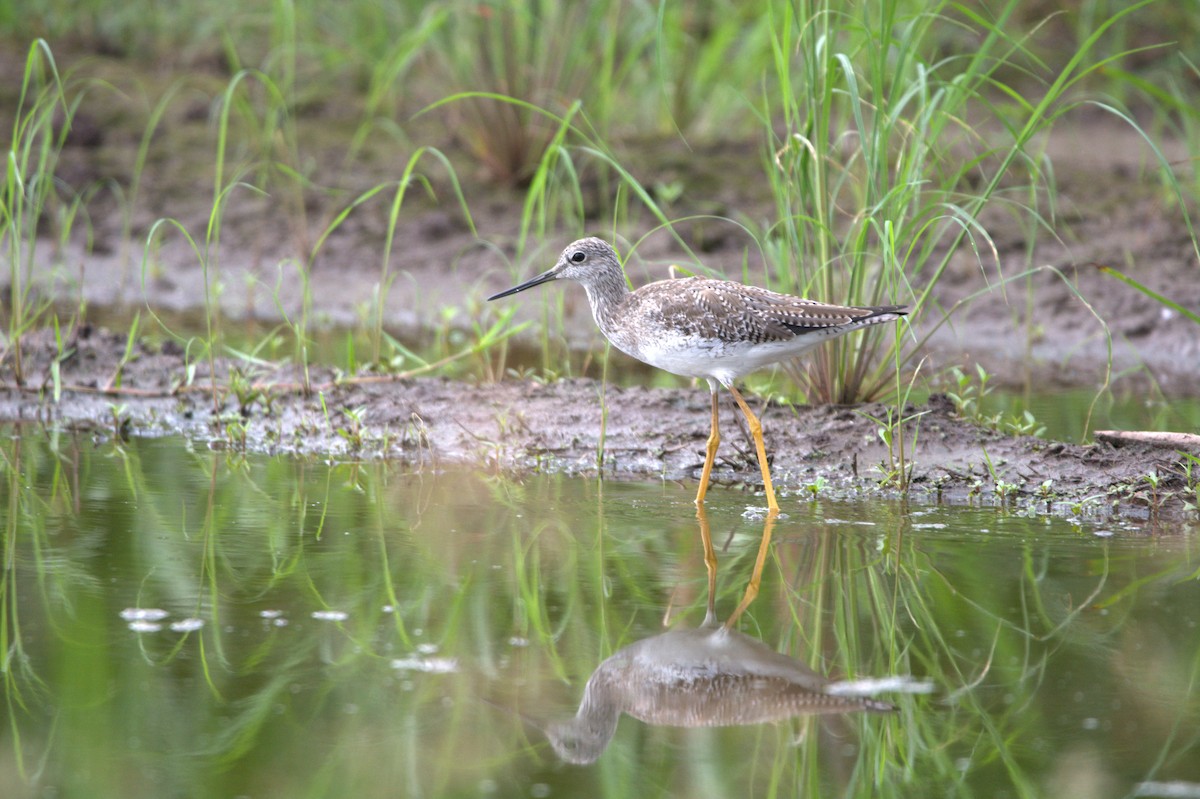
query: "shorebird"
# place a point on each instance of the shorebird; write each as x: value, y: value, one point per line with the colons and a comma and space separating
x: 709, y: 676
x: 704, y: 328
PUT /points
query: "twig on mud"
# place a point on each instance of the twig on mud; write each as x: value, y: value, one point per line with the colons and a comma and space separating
x: 1153, y: 438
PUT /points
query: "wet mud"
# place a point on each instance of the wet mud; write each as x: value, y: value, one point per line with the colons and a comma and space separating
x: 515, y: 427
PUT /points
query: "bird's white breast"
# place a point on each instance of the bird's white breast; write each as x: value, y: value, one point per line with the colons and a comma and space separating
x: 693, y: 356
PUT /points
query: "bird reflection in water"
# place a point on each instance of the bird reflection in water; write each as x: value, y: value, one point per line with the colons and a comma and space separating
x: 710, y: 676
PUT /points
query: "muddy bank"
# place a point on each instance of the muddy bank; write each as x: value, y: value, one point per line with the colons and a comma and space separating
x: 518, y: 426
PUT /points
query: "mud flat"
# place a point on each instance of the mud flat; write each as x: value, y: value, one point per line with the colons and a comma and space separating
x: 516, y: 427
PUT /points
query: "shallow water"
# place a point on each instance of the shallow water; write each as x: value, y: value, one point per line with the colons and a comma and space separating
x: 179, y: 622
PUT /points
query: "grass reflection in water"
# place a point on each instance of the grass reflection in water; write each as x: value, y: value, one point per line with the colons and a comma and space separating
x: 317, y: 630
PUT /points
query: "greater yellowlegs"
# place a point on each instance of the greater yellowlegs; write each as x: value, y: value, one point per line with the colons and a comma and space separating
x: 715, y: 329
x: 699, y: 327
x: 710, y: 676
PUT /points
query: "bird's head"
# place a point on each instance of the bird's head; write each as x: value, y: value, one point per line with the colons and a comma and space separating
x: 583, y: 261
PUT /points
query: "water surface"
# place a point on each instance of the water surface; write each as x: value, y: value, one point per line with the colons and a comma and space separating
x: 180, y: 622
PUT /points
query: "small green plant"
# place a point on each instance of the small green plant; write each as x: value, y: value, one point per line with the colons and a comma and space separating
x: 244, y: 390
x: 937, y: 484
x: 487, y: 347
x: 897, y: 470
x: 118, y: 415
x: 1045, y: 493
x: 418, y: 432
x: 667, y: 192
x: 353, y: 433
x: 968, y: 393
x: 236, y: 432
x: 1190, y: 465
x: 975, y: 489
x: 1024, y: 425
x: 1151, y: 479
x: 127, y: 355
x: 62, y: 353
x: 1005, y: 490
x: 815, y: 487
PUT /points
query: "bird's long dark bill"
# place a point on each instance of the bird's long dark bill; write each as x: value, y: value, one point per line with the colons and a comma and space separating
x: 544, y: 277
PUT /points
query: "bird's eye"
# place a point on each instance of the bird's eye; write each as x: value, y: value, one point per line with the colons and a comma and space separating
x: 579, y: 257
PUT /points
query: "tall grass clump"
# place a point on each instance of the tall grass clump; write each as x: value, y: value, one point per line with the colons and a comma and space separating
x: 707, y: 57
x: 885, y: 153
x: 544, y: 54
x: 246, y: 168
x: 1173, y: 100
x: 40, y: 126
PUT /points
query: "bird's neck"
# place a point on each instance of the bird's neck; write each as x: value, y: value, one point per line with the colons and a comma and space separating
x: 606, y: 293
x: 599, y: 709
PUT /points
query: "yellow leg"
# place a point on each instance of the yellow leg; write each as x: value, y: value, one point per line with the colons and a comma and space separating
x: 714, y: 438
x: 756, y: 575
x: 710, y: 563
x: 756, y: 433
